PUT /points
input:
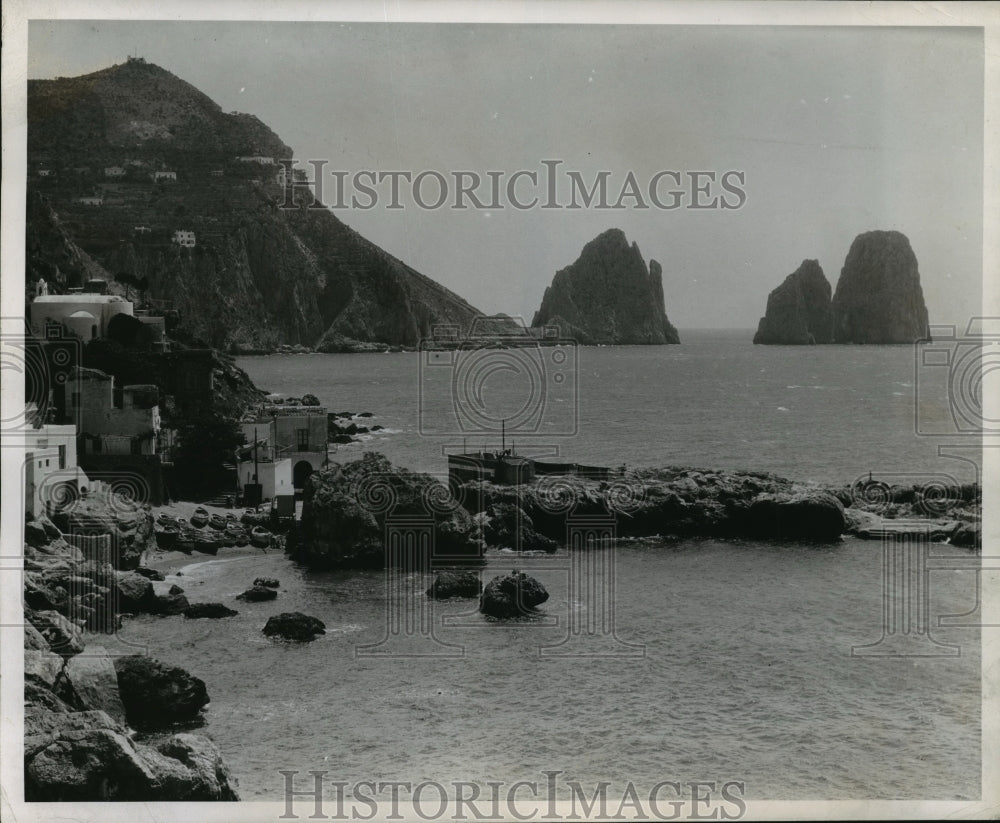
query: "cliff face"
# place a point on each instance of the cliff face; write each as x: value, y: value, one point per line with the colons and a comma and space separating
x: 799, y: 311
x: 878, y: 297
x: 608, y: 296
x: 259, y: 275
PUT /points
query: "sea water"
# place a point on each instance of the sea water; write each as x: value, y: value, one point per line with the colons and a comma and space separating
x: 735, y: 656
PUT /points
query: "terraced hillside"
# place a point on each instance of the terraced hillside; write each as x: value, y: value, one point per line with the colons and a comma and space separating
x: 121, y: 160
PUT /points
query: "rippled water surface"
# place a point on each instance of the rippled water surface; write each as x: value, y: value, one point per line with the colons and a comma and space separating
x: 746, y: 670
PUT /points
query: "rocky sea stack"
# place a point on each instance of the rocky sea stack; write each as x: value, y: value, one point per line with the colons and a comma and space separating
x: 800, y: 310
x: 878, y: 297
x: 608, y: 296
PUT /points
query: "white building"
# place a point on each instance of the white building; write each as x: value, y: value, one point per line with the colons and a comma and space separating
x: 257, y: 158
x: 114, y: 171
x: 85, y: 315
x: 90, y: 201
x: 51, y: 476
x: 184, y: 238
x: 260, y: 461
x: 165, y: 175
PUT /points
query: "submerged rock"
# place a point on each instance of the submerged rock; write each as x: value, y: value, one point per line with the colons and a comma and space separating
x: 455, y: 584
x: 199, y: 610
x: 512, y: 595
x: 294, y: 626
x: 256, y: 594
x: 157, y: 695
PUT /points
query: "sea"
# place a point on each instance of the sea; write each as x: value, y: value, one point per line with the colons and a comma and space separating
x: 765, y: 663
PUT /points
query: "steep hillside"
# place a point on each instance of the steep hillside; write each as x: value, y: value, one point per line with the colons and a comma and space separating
x: 121, y: 159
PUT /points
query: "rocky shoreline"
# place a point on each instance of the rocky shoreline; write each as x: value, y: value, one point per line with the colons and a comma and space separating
x: 345, y: 510
x: 101, y: 726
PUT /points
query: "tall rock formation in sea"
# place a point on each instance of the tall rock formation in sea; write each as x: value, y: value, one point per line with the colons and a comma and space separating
x: 122, y: 159
x: 608, y: 296
x: 799, y: 311
x: 878, y: 297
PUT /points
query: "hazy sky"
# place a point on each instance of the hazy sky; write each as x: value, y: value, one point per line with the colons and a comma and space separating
x: 838, y: 131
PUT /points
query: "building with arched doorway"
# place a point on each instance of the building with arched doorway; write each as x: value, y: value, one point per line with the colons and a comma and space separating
x: 296, y: 433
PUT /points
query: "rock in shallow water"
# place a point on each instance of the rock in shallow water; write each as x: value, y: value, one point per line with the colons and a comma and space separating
x: 256, y: 594
x: 294, y: 626
x: 512, y: 595
x: 455, y: 584
x: 198, y: 610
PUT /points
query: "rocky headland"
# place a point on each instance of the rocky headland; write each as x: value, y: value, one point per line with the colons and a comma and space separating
x: 132, y: 154
x: 799, y: 311
x: 608, y: 296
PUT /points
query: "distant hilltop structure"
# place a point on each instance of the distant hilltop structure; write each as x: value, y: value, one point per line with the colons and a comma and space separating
x: 878, y: 298
x: 608, y: 296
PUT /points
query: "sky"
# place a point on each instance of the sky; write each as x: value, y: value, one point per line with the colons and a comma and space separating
x: 836, y: 130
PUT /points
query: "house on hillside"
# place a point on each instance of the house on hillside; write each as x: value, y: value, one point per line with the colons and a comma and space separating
x: 114, y: 171
x: 183, y: 237
x: 257, y: 158
x: 86, y: 315
x: 159, y: 176
x: 119, y: 431
x: 91, y: 201
x: 51, y: 475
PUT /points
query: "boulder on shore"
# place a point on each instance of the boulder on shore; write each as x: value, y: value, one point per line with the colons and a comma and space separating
x: 157, y: 695
x: 345, y: 509
x: 455, y: 584
x: 294, y: 626
x: 512, y: 595
x: 89, y: 756
x: 267, y: 582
